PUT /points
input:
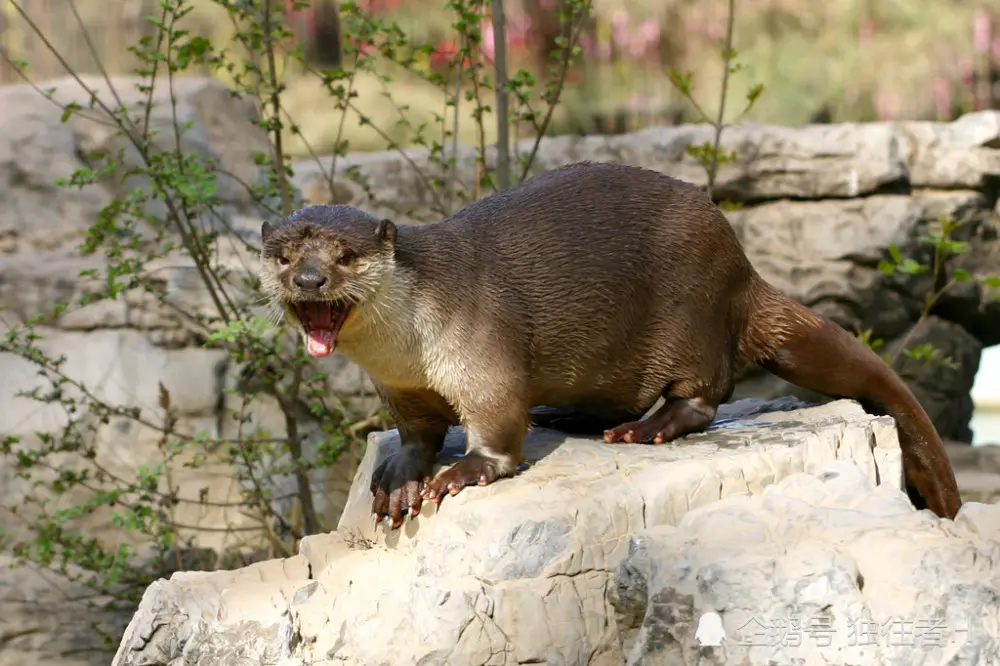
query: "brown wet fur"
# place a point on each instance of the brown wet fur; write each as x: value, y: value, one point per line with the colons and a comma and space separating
x: 591, y: 290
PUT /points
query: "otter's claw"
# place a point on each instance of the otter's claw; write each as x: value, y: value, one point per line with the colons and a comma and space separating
x: 473, y: 469
x: 398, y: 482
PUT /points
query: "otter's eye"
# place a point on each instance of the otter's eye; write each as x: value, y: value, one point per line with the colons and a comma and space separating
x: 283, y: 261
x: 346, y: 257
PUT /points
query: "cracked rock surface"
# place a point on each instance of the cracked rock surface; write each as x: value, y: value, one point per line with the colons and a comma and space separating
x: 513, y: 573
x: 818, y: 569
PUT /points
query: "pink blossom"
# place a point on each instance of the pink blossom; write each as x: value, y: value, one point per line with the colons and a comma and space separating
x: 604, y: 50
x: 966, y: 69
x: 866, y: 32
x: 886, y: 104
x: 489, y: 44
x: 942, y: 97
x: 650, y: 31
x: 982, y: 27
x: 619, y: 28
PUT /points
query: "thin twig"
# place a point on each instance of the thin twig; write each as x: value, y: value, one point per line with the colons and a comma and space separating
x: 567, y: 57
x: 275, y: 95
x: 97, y: 59
x: 433, y: 191
x: 148, y: 111
x: 298, y: 459
x: 340, y: 125
x: 727, y: 56
x: 480, y: 125
x: 143, y: 151
x: 460, y: 73
x: 930, y: 300
x: 500, y: 72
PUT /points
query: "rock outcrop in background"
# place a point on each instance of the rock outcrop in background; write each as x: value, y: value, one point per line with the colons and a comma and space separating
x: 820, y: 205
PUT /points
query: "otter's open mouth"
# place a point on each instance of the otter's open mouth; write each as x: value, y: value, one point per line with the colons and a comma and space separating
x: 321, y: 321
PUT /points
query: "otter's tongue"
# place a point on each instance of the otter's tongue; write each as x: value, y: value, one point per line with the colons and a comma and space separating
x: 320, y: 342
x: 321, y: 334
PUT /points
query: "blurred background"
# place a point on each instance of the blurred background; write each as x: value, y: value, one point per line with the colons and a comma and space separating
x: 820, y: 62
x: 834, y: 61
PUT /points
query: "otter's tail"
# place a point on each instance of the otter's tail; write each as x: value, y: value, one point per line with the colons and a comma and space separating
x: 803, y: 348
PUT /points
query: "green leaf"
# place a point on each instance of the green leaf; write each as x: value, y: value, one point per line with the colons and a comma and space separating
x: 953, y: 246
x: 894, y: 252
x: 886, y: 267
x: 911, y: 267
x: 961, y: 275
x: 754, y: 93
x: 68, y: 111
x: 681, y: 81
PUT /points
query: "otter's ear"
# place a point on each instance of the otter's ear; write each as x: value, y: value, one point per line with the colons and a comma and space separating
x: 385, y: 232
x: 265, y: 230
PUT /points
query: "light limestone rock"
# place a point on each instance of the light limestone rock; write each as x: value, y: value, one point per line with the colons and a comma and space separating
x: 735, y: 455
x: 42, y: 622
x: 823, y: 161
x: 823, y: 569
x: 122, y: 367
x: 36, y: 149
x: 962, y: 154
x: 773, y: 162
x: 825, y: 252
x: 516, y: 572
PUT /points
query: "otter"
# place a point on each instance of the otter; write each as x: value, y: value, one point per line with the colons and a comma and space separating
x: 574, y: 299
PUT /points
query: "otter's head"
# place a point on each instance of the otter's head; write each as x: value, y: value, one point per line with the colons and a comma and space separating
x: 320, y: 263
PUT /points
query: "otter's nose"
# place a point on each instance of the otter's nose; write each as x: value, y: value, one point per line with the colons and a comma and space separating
x: 309, y: 281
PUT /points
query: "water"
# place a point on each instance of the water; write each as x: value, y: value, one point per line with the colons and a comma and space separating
x: 986, y: 395
x: 986, y: 426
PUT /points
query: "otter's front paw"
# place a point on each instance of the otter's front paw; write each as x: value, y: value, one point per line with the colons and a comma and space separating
x: 474, y: 469
x: 398, y: 482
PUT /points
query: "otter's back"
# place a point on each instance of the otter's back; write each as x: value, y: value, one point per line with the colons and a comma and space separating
x: 595, y: 261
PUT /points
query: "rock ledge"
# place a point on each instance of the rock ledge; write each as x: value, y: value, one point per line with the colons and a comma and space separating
x: 517, y: 572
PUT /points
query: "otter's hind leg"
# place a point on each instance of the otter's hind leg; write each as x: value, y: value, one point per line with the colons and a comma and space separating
x: 690, y: 406
x: 575, y: 421
x: 675, y: 418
